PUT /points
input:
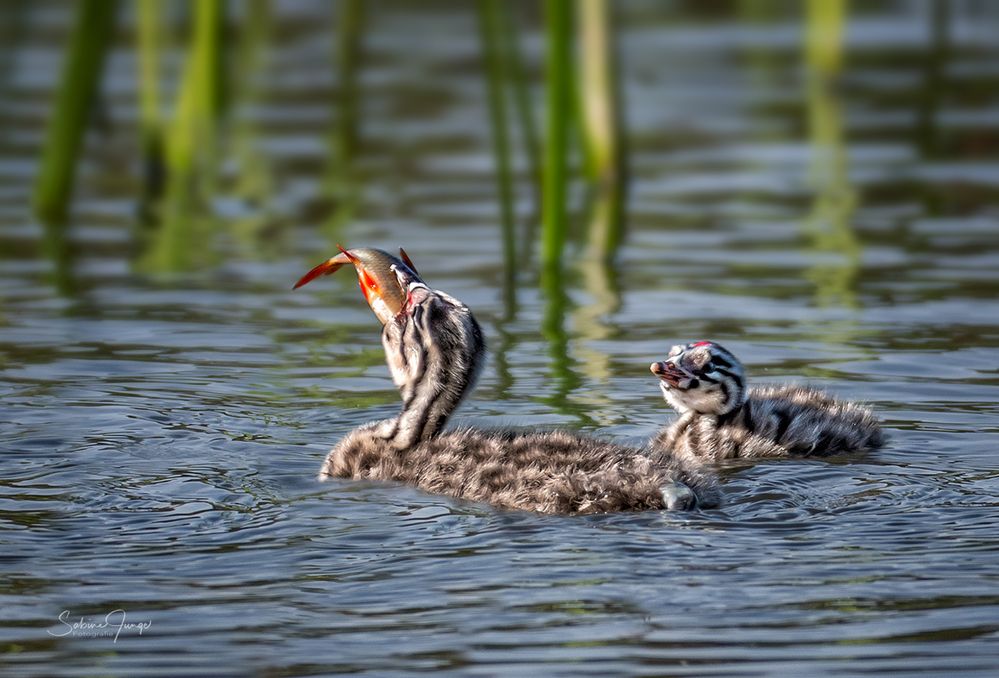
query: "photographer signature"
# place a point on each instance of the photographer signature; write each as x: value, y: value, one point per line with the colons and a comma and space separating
x: 112, y: 625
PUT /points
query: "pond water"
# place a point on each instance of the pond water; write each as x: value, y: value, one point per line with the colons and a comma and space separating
x: 162, y: 419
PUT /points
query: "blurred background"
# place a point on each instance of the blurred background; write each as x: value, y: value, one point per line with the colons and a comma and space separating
x: 813, y: 184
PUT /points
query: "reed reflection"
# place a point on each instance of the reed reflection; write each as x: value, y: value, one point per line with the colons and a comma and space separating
x: 254, y: 180
x: 829, y: 225
x: 600, y: 281
x: 497, y: 78
x: 934, y: 81
x: 183, y: 237
x: 565, y: 379
x: 344, y: 188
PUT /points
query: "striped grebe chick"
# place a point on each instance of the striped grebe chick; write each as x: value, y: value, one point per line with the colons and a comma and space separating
x: 721, y: 419
x: 435, y: 350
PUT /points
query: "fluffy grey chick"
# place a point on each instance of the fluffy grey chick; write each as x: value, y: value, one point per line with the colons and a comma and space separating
x: 434, y: 349
x: 720, y: 419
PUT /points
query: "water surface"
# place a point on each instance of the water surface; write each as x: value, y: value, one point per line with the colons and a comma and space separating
x: 162, y: 419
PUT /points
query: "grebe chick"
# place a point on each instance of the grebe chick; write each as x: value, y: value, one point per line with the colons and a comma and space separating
x: 720, y: 419
x: 434, y: 349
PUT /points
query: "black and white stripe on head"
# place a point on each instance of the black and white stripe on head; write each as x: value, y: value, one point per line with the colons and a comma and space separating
x: 435, y: 350
x: 715, y: 381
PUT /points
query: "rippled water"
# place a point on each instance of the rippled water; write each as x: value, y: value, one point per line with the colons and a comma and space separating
x: 162, y: 424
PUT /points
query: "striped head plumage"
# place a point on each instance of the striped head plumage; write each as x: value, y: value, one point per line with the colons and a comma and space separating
x: 433, y: 342
x: 433, y: 345
x: 702, y: 377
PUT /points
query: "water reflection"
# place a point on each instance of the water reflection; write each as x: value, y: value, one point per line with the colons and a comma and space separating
x: 591, y: 325
x: 499, y: 78
x: 935, y: 62
x: 343, y: 185
x: 564, y: 376
x: 162, y: 433
x: 253, y: 180
x: 182, y: 240
x: 180, y: 235
x: 502, y: 352
x: 150, y: 30
x: 830, y: 223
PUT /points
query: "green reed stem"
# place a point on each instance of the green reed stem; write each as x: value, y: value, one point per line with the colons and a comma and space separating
x: 180, y: 241
x: 513, y: 56
x: 830, y: 223
x: 558, y: 114
x: 558, y: 87
x: 824, y: 35
x: 600, y: 125
x: 490, y: 25
x: 149, y: 68
x: 823, y: 54
x: 344, y: 186
x: 348, y: 57
x: 254, y: 180
x: 191, y: 135
x: 81, y: 70
x: 150, y: 125
x: 935, y: 59
x: 599, y: 114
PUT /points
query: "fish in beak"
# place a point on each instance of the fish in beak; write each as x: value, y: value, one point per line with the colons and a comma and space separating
x: 379, y: 274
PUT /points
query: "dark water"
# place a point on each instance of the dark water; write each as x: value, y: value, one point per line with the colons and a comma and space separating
x: 163, y: 419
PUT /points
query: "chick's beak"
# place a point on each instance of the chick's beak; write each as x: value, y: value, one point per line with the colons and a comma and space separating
x: 668, y: 372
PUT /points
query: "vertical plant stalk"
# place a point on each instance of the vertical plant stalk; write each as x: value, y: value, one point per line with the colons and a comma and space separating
x: 191, y: 148
x: 600, y: 122
x: 934, y: 84
x: 829, y: 223
x: 150, y: 126
x: 344, y: 186
x: 348, y: 56
x: 149, y: 68
x: 490, y: 25
x: 554, y: 190
x: 254, y: 182
x: 513, y: 55
x: 823, y: 53
x: 81, y: 70
x: 824, y: 35
x: 558, y: 74
x: 191, y: 135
